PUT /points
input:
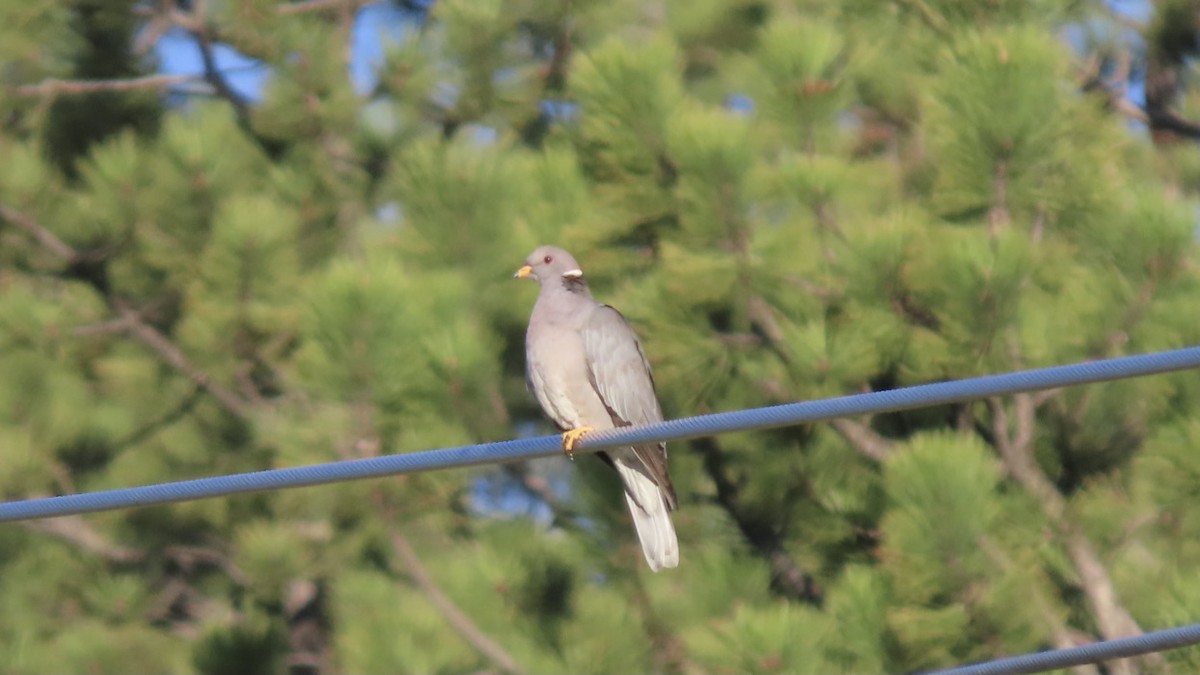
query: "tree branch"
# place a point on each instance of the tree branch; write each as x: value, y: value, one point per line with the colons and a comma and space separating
x: 863, y: 438
x: 164, y: 420
x: 129, y: 319
x: 301, y: 6
x: 930, y: 16
x: 57, y: 87
x: 762, y: 317
x: 1112, y: 618
x: 107, y: 326
x: 457, y: 618
x: 77, y: 531
x: 214, y: 77
x: 1162, y: 86
x: 196, y: 25
x: 173, y: 593
x: 411, y: 562
x: 1064, y: 638
x: 172, y: 356
x: 1019, y: 462
x: 188, y: 557
x: 46, y: 238
x: 308, y: 627
x: 998, y: 218
x: 1016, y: 450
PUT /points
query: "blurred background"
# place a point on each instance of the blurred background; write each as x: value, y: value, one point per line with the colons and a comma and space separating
x: 243, y: 234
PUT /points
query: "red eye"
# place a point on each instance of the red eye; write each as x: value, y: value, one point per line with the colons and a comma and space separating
x: 547, y: 260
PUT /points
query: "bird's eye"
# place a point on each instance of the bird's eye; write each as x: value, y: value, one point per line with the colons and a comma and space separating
x: 547, y: 260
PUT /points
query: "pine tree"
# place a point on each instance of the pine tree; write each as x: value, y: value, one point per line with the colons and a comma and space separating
x: 789, y: 200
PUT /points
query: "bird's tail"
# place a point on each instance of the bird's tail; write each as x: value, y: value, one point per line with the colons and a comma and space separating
x: 651, y: 517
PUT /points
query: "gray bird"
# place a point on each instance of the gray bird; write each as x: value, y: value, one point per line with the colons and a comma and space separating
x: 586, y: 368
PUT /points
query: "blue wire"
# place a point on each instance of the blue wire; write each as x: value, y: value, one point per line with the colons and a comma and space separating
x: 1095, y: 652
x: 546, y: 446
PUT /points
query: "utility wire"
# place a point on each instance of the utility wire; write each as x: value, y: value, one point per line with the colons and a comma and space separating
x: 1095, y: 652
x: 545, y: 446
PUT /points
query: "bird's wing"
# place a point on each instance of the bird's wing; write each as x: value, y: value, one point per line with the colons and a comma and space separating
x: 620, y: 374
x: 618, y: 369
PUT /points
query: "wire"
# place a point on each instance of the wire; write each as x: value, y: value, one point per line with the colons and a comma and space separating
x: 1095, y: 652
x: 545, y: 446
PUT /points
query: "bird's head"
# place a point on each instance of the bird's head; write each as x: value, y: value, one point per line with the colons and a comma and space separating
x: 547, y: 263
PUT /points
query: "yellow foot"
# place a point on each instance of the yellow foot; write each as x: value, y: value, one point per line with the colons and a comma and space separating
x: 571, y: 436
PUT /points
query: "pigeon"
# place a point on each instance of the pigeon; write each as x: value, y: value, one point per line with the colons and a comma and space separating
x: 586, y: 368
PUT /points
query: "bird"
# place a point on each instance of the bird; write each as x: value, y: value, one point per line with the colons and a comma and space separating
x: 586, y: 367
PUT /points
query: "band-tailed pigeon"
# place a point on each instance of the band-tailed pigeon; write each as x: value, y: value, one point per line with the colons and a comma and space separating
x: 586, y: 368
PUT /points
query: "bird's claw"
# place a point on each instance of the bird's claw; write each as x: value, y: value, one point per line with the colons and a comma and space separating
x: 571, y: 436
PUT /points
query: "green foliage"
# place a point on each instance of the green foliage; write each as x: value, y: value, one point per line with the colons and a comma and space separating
x: 941, y: 502
x: 630, y: 92
x: 457, y: 198
x: 359, y: 340
x: 797, y: 76
x: 779, y: 639
x: 856, y: 606
x: 95, y: 44
x: 376, y: 638
x: 980, y: 148
x: 243, y: 649
x: 904, y: 192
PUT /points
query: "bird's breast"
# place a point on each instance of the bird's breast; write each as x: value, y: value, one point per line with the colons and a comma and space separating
x: 558, y: 374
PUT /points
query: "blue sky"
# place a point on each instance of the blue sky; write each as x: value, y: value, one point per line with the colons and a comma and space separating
x: 376, y: 25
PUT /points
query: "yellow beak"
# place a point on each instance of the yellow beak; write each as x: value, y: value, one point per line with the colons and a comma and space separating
x: 523, y: 272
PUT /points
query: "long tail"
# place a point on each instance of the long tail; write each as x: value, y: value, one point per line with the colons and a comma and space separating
x: 651, y: 517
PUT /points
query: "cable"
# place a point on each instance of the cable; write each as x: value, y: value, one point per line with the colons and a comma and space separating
x: 1095, y: 652
x: 545, y: 446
